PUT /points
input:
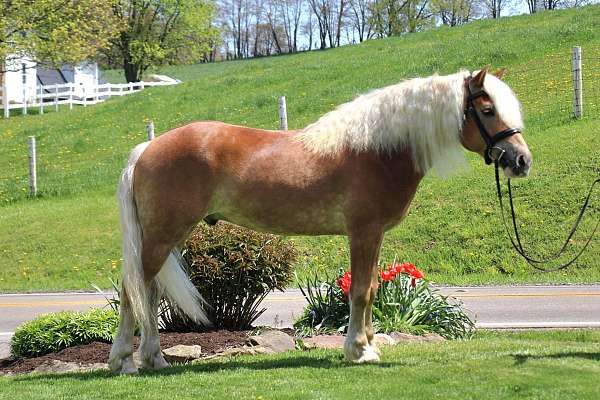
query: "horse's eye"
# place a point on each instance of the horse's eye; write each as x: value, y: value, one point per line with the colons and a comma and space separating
x: 488, y: 111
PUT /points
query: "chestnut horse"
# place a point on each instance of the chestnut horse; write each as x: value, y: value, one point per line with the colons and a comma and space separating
x: 354, y: 172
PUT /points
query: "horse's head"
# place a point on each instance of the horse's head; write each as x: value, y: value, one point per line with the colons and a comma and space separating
x: 493, y: 123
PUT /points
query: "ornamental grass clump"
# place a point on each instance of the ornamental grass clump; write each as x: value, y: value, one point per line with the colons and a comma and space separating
x: 405, y: 302
x: 234, y: 269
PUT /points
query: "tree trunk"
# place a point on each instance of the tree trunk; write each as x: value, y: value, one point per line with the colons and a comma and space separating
x: 133, y: 72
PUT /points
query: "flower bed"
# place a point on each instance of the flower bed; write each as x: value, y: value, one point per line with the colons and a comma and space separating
x: 405, y: 302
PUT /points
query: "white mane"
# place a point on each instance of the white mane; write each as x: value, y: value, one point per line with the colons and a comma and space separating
x: 422, y: 114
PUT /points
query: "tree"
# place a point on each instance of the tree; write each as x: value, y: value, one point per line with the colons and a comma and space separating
x: 290, y: 12
x: 385, y: 17
x: 454, y: 12
x: 494, y: 8
x: 161, y: 31
x: 394, y: 17
x: 359, y: 18
x: 330, y: 15
x: 416, y: 15
x: 54, y: 32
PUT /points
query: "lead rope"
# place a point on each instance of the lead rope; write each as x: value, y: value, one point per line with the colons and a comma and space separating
x: 516, y: 242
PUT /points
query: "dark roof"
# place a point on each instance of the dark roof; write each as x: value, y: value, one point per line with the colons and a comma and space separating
x: 48, y: 76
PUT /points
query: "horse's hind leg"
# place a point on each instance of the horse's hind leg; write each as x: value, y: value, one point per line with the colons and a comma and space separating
x: 150, y: 352
x: 121, y: 353
x: 154, y: 255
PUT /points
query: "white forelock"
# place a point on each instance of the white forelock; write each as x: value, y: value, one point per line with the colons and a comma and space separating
x: 424, y: 115
x: 505, y: 101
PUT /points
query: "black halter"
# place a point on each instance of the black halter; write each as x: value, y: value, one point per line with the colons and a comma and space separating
x: 516, y: 242
x: 489, y: 140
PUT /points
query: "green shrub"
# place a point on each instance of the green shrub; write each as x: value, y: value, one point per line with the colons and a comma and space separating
x: 405, y: 302
x: 56, y: 331
x: 234, y: 269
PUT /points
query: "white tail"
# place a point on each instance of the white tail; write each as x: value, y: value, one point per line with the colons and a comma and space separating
x: 172, y: 278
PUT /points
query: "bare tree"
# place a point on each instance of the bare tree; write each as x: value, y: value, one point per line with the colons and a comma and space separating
x: 308, y: 28
x: 359, y: 14
x: 339, y: 17
x: 290, y: 13
x: 532, y: 5
x: 494, y: 8
x: 274, y: 27
x: 232, y: 17
x: 320, y: 9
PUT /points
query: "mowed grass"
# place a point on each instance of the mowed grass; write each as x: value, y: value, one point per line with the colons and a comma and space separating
x: 69, y: 237
x: 527, y: 365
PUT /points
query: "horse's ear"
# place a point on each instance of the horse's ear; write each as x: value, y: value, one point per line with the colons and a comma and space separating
x: 500, y: 73
x: 480, y: 77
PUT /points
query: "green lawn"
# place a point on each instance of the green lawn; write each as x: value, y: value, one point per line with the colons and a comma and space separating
x: 69, y: 236
x: 527, y: 365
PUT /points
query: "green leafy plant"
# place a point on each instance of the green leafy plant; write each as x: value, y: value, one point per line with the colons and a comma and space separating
x: 327, y: 311
x: 56, y: 331
x: 405, y: 302
x: 112, y: 299
x: 234, y: 269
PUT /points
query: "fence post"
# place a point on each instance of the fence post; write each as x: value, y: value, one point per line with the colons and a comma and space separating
x: 41, y: 99
x: 71, y: 90
x: 5, y: 102
x: 84, y: 97
x: 96, y: 84
x: 56, y: 97
x: 577, y: 83
x: 150, y: 130
x: 32, y: 167
x: 25, y: 99
x: 283, y: 123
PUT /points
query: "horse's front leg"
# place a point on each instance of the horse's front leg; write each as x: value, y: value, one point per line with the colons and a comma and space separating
x: 364, y: 252
x: 369, y: 309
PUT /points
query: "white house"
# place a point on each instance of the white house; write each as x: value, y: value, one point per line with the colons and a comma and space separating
x: 20, y: 79
x: 23, y: 79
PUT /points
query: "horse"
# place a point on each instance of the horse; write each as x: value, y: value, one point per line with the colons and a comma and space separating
x: 353, y: 172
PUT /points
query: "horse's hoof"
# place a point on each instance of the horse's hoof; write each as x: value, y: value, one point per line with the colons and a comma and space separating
x: 154, y: 361
x: 123, y: 366
x: 369, y: 355
x: 375, y: 349
x: 361, y: 354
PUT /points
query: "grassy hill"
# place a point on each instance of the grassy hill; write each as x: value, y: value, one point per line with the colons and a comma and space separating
x: 69, y: 237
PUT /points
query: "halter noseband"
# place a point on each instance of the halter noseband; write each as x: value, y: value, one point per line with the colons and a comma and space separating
x: 489, y: 140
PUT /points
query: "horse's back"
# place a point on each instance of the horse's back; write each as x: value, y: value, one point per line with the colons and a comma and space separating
x: 243, y: 174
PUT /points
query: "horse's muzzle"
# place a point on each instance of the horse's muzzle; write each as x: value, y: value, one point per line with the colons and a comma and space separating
x: 515, y: 161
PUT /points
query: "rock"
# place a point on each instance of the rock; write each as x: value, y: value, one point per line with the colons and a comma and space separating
x: 4, y: 351
x: 400, y: 337
x: 273, y: 340
x: 382, y: 339
x: 182, y: 353
x: 237, y: 351
x: 324, y: 342
x: 61, y: 367
x: 433, y: 337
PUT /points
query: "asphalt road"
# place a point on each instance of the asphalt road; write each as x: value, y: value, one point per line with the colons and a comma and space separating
x: 502, y: 307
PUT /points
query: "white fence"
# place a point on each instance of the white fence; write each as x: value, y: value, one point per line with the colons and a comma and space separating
x: 54, y: 95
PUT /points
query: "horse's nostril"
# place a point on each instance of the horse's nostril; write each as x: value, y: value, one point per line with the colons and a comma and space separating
x: 521, y: 161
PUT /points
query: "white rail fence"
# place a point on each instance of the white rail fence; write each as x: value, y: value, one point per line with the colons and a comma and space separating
x: 52, y: 96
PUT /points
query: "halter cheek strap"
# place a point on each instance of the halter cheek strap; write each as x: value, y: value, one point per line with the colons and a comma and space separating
x: 489, y: 140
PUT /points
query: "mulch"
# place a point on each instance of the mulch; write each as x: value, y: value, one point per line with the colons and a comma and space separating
x: 97, y: 352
